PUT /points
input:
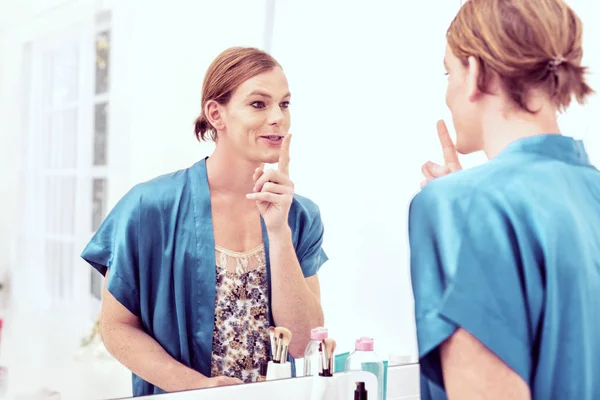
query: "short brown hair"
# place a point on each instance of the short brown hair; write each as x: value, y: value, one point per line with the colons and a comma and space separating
x: 229, y: 70
x: 527, y: 44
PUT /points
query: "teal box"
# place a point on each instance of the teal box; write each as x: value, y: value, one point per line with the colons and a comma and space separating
x: 340, y: 362
x: 340, y: 366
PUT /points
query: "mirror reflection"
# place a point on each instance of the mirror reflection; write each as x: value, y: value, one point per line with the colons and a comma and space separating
x: 197, y: 208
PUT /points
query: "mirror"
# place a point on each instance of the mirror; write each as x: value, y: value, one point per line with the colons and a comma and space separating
x: 94, y: 101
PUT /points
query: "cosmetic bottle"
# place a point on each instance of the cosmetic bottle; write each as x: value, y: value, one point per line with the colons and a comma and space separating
x: 360, y: 393
x: 311, y: 353
x: 365, y: 359
x: 324, y: 384
x: 262, y: 371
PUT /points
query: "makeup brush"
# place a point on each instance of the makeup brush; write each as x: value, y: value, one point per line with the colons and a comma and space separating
x: 278, y: 334
x: 321, y: 359
x: 329, y: 349
x: 285, y: 344
x: 283, y: 336
x: 272, y: 338
x: 279, y: 347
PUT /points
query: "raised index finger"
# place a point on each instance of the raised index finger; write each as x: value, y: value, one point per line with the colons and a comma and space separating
x: 283, y: 165
x: 450, y: 155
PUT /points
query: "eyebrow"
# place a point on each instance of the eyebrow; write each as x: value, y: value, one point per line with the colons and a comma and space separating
x: 266, y: 95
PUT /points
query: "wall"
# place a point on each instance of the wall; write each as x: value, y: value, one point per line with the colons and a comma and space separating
x: 10, y: 151
x: 160, y: 64
x: 582, y: 122
x: 364, y: 113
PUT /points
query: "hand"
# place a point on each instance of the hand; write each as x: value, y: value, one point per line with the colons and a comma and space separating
x: 274, y: 191
x: 222, y: 381
x: 432, y: 170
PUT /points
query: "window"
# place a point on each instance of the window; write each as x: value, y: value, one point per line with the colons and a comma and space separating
x: 65, y: 178
x: 101, y: 137
x: 59, y: 137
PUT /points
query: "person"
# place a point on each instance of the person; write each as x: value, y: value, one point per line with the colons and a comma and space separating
x: 200, y: 263
x: 505, y: 256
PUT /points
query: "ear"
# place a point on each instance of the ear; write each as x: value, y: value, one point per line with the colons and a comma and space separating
x: 473, y: 74
x: 213, y: 112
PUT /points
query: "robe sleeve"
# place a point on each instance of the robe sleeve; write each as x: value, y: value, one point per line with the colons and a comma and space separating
x: 466, y: 272
x: 311, y: 255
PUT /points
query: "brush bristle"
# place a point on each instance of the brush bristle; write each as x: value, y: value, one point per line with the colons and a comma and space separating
x: 287, y: 335
x: 283, y: 336
x: 329, y: 347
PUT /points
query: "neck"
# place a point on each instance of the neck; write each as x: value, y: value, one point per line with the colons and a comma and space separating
x: 229, y: 174
x: 500, y: 129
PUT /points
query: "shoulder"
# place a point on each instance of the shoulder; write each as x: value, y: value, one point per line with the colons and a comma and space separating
x: 167, y: 185
x: 160, y: 191
x: 307, y: 234
x: 305, y: 210
x: 482, y: 186
x: 304, y: 205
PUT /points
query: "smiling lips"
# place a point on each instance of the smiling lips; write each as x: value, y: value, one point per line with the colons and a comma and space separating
x: 275, y: 139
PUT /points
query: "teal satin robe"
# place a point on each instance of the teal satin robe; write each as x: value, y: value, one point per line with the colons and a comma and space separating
x: 159, y: 246
x: 510, y: 252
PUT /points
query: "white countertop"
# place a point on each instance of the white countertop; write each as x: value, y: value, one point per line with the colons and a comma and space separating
x: 42, y: 353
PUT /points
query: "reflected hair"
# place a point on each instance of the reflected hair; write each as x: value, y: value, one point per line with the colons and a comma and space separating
x: 229, y: 70
x: 527, y: 44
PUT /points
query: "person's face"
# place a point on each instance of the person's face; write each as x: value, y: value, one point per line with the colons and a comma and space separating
x: 257, y: 117
x: 462, y: 97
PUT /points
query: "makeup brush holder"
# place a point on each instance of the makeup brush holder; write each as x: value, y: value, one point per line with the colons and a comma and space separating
x: 279, y: 371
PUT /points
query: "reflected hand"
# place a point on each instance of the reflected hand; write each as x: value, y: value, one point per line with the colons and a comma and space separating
x: 222, y: 381
x: 432, y: 170
x: 274, y: 191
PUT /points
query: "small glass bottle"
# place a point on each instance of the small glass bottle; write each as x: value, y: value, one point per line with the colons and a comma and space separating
x: 262, y: 371
x: 360, y: 393
x: 363, y: 358
x: 311, y: 353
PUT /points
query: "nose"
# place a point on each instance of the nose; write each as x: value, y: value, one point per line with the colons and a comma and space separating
x: 276, y: 116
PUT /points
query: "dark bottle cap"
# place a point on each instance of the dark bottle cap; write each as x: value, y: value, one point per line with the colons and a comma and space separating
x: 360, y: 393
x: 262, y: 368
